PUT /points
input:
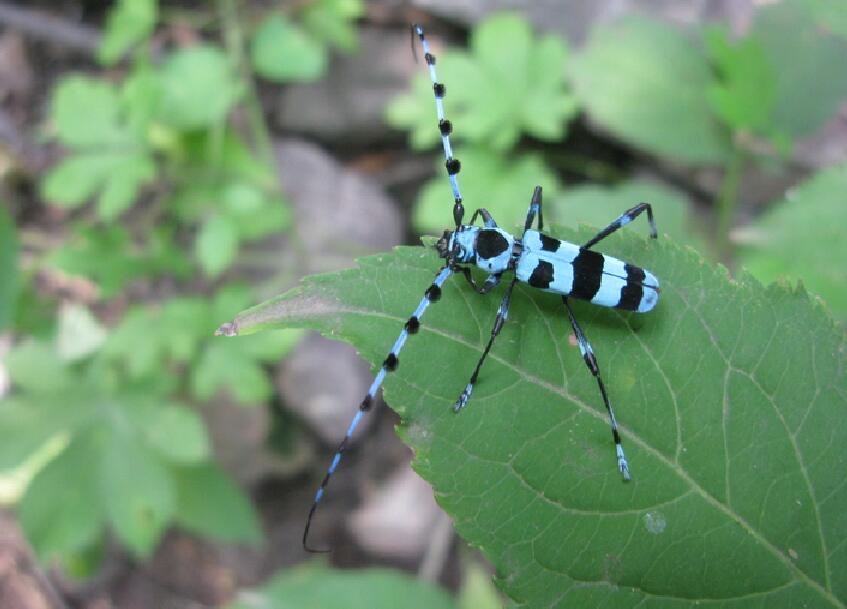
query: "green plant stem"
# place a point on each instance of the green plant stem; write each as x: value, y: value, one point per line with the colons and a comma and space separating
x: 234, y: 38
x: 726, y: 202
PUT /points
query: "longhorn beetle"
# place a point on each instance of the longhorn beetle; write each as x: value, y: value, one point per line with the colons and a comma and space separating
x: 537, y: 259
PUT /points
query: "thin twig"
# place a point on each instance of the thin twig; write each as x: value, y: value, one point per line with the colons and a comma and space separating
x: 438, y: 549
x: 50, y: 28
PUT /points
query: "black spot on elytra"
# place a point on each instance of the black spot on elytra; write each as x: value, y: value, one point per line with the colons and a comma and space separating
x: 548, y: 244
x: 542, y: 275
x: 587, y: 274
x: 632, y: 292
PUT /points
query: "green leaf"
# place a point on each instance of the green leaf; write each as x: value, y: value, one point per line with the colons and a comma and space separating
x: 212, y: 505
x: 133, y: 435
x: 36, y: 367
x: 598, y: 205
x: 231, y: 158
x: 123, y: 183
x: 78, y: 177
x: 407, y: 111
x: 315, y: 587
x: 828, y: 15
x: 502, y: 185
x: 129, y: 22
x: 175, y: 432
x: 253, y: 212
x: 8, y: 267
x: 810, y: 82
x: 184, y: 323
x: 801, y: 238
x: 86, y: 112
x: 198, y: 88
x: 745, y: 93
x: 216, y: 245
x: 60, y: 512
x: 478, y: 591
x: 25, y: 430
x: 137, y: 343
x: 111, y: 156
x: 138, y: 492
x: 80, y: 334
x: 145, y: 340
x: 227, y: 365
x: 646, y: 83
x: 487, y: 98
x: 35, y: 312
x: 140, y: 95
x: 730, y: 398
x: 333, y: 21
x: 282, y: 52
x: 90, y: 253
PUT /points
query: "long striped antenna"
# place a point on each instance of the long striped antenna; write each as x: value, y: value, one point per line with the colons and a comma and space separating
x: 444, y: 126
x: 432, y: 294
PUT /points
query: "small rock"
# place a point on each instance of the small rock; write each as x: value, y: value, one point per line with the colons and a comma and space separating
x: 324, y: 381
x: 239, y: 438
x: 398, y: 519
x: 339, y: 214
x: 349, y: 102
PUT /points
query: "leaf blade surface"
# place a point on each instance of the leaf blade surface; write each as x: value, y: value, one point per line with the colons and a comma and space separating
x: 728, y: 395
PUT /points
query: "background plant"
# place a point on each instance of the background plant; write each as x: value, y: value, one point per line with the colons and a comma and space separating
x: 507, y: 477
x: 168, y: 175
x: 696, y: 98
x: 173, y: 153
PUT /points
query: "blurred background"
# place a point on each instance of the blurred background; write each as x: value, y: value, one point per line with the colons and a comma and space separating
x: 167, y: 164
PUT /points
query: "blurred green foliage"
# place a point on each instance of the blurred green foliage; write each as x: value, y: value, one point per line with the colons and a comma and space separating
x: 103, y: 418
x: 89, y: 252
x: 810, y: 83
x: 313, y: 586
x: 509, y: 83
x: 802, y: 238
x: 129, y: 23
x: 120, y: 396
x: 744, y: 95
x: 645, y: 82
x: 8, y: 267
x: 304, y: 45
x: 595, y: 204
x: 107, y: 412
x: 498, y: 180
x: 694, y: 97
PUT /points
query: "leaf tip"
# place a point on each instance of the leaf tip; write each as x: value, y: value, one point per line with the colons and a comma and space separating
x: 229, y: 328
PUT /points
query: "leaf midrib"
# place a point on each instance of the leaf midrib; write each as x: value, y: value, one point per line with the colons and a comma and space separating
x: 631, y: 436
